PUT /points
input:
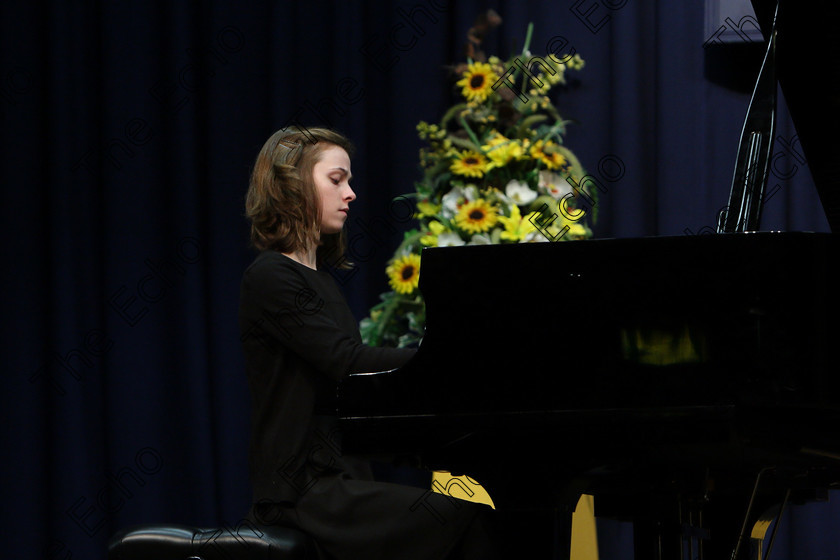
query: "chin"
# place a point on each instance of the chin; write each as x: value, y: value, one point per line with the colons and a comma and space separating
x: 326, y: 230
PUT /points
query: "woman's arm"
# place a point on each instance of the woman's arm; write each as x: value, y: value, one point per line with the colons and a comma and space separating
x: 279, y: 304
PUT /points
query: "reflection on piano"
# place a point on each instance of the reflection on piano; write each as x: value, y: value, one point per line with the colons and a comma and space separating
x: 710, y: 398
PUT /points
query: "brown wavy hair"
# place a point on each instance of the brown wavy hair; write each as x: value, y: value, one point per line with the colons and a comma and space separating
x: 282, y: 202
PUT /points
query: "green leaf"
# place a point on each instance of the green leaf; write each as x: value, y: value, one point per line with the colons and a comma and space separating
x: 555, y: 130
x: 574, y: 162
x: 464, y: 143
x: 527, y: 123
x: 450, y: 114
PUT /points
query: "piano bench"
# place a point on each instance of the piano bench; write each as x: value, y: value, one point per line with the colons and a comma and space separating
x: 180, y: 542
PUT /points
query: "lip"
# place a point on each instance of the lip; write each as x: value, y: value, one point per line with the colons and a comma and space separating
x: 345, y: 210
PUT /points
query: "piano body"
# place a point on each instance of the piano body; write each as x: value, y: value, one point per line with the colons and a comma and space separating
x: 689, y: 383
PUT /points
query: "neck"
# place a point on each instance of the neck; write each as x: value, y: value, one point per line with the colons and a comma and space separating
x: 306, y: 258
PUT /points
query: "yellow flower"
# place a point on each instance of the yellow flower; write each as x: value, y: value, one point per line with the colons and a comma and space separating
x: 435, y: 229
x: 543, y: 151
x: 517, y: 227
x: 576, y: 63
x: 477, y: 216
x: 576, y: 230
x: 404, y: 273
x: 427, y: 209
x: 470, y: 164
x: 478, y: 80
x: 502, y: 150
x: 555, y: 222
x: 479, y: 112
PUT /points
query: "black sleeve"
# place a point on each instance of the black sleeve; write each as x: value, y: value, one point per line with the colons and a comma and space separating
x: 279, y: 301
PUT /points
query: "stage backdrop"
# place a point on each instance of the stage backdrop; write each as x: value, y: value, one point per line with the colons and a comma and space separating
x: 128, y: 131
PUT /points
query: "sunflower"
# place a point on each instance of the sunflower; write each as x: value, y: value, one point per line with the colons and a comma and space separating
x: 470, y: 164
x: 478, y: 80
x: 544, y: 152
x: 404, y: 273
x: 477, y: 216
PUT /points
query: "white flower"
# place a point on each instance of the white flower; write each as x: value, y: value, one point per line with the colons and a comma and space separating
x: 471, y: 192
x: 479, y: 239
x: 520, y: 193
x: 502, y: 197
x: 451, y: 201
x: 535, y: 236
x: 449, y: 239
x: 554, y: 184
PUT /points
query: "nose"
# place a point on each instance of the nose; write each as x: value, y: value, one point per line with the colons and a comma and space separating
x: 349, y: 195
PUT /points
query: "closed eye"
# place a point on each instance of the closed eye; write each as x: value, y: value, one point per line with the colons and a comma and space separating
x: 344, y: 173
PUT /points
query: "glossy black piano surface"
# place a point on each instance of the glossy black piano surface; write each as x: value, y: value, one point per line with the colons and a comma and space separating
x: 619, y: 324
x: 652, y: 366
x: 707, y: 320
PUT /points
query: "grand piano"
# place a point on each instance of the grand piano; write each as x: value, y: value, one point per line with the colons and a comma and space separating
x: 689, y: 383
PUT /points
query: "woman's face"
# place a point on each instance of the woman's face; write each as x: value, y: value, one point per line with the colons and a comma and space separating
x: 332, y: 181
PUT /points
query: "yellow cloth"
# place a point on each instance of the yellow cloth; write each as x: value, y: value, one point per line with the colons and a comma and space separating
x: 584, y: 534
x: 461, y: 487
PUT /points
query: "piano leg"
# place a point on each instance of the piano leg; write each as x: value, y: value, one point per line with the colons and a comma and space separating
x: 758, y: 534
x: 672, y: 530
x: 738, y: 520
x: 742, y: 520
x: 726, y: 517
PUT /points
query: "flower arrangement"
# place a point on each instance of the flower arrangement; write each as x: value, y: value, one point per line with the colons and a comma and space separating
x: 495, y: 171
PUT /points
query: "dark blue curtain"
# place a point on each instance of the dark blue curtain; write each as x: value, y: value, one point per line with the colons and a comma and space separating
x: 128, y: 130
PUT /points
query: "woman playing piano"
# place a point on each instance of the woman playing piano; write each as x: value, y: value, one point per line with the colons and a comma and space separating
x: 299, y: 339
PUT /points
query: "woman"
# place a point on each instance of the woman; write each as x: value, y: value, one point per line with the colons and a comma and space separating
x: 300, y: 339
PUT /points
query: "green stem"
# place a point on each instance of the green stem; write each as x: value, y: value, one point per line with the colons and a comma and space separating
x: 471, y: 134
x: 525, y: 48
x: 528, y: 34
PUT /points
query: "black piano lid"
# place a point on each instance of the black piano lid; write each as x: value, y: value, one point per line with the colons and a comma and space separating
x: 808, y: 68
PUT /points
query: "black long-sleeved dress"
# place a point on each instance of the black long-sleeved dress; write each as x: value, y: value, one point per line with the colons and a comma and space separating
x: 300, y: 338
